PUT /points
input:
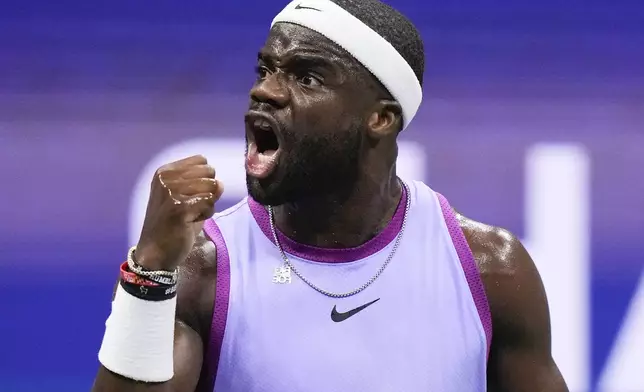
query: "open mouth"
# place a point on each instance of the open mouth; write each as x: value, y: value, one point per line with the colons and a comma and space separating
x: 265, y: 137
x: 263, y: 145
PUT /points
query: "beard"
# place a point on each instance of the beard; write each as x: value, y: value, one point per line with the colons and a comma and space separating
x: 311, y: 166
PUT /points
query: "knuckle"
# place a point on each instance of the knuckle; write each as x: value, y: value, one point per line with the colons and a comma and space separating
x: 163, y: 172
x: 164, y: 179
x: 198, y: 159
x: 208, y: 184
x: 164, y: 168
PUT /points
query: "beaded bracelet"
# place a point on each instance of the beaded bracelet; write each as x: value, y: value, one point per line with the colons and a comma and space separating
x: 163, y: 277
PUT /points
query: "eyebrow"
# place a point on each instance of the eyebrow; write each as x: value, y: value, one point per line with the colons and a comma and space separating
x: 298, y: 58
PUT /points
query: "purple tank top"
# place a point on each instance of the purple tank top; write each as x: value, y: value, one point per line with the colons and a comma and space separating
x: 427, y: 326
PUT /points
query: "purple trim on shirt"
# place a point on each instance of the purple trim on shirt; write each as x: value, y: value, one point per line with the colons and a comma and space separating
x: 220, y: 312
x: 477, y: 289
x: 331, y: 255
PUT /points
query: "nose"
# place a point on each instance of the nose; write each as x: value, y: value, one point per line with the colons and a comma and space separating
x: 270, y: 90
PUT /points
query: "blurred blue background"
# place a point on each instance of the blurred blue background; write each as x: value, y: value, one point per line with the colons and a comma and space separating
x: 533, y: 120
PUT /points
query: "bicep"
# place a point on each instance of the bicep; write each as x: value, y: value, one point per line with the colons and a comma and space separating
x: 188, y: 357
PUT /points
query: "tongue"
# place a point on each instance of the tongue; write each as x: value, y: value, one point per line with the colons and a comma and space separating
x: 260, y: 164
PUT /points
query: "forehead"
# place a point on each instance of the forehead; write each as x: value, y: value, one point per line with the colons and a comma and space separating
x: 288, y: 38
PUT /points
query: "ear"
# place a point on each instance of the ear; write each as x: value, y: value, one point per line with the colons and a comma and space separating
x: 385, y: 119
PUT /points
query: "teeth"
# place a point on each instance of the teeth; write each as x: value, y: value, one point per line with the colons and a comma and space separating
x: 262, y: 124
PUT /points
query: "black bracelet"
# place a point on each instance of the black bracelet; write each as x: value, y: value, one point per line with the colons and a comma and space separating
x: 147, y: 293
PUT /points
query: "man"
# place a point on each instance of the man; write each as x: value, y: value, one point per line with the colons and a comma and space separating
x: 334, y: 275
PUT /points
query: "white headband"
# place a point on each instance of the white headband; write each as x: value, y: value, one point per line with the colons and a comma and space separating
x: 364, y: 44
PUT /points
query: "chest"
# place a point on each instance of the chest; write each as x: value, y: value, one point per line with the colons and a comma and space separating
x: 411, y: 330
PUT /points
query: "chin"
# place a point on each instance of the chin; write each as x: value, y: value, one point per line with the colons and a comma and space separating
x: 265, y: 192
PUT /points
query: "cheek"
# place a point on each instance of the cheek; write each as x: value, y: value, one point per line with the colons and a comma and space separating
x: 327, y: 114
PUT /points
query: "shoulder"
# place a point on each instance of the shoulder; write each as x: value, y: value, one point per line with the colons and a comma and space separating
x: 512, y: 283
x: 196, y: 287
x: 497, y: 251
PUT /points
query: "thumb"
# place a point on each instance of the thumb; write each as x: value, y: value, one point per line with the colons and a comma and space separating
x: 200, y: 207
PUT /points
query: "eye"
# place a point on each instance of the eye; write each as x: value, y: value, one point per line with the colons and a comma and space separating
x: 310, y: 80
x: 261, y: 71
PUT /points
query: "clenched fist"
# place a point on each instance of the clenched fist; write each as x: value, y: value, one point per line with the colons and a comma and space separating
x: 183, y: 195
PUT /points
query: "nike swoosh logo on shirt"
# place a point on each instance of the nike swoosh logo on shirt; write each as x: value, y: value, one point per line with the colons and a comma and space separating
x: 340, y: 317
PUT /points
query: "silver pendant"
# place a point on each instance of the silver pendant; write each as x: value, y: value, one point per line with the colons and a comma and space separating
x: 282, y: 275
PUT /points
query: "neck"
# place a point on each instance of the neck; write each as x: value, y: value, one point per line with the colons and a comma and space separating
x: 341, y: 221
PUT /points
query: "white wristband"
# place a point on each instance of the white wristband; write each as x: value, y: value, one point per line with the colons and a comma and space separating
x: 139, y: 338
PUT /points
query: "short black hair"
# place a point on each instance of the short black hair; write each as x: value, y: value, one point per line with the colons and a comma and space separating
x: 393, y: 26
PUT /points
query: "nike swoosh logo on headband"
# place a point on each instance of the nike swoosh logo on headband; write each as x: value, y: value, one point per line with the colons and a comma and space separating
x: 300, y: 7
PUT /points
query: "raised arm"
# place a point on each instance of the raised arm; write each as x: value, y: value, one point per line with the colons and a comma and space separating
x: 154, y: 338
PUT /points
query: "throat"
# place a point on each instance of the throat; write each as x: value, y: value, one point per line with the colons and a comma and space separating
x: 337, y: 224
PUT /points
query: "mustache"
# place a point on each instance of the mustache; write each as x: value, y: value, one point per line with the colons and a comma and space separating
x: 262, y: 107
x: 268, y: 109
